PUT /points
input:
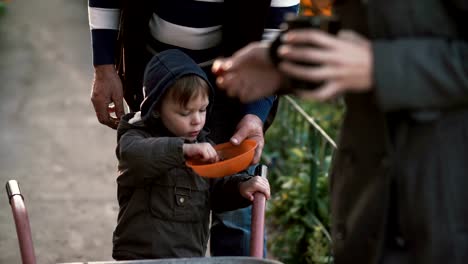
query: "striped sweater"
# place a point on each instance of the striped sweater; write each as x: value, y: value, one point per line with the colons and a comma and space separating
x: 195, y: 26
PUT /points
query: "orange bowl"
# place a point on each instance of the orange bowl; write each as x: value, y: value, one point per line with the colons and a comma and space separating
x: 234, y: 159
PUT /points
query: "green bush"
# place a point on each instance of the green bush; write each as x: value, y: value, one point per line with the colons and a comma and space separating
x: 298, y: 216
x: 2, y: 8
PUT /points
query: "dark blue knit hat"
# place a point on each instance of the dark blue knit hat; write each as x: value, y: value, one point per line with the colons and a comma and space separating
x: 161, y: 72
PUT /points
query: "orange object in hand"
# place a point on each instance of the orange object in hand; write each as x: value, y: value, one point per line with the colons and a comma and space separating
x: 233, y: 159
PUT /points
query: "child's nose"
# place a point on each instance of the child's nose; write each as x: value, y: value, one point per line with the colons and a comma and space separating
x: 197, y: 118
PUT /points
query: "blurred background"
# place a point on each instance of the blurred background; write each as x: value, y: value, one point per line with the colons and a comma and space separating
x: 50, y: 140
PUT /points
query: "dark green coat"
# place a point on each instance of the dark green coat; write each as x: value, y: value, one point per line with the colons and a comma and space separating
x: 401, y: 169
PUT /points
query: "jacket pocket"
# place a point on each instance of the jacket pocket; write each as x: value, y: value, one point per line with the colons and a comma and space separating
x: 179, y: 202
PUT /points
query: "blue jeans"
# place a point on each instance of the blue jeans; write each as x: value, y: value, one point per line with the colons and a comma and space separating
x: 230, y: 232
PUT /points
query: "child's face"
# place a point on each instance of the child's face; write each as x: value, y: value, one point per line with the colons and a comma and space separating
x: 188, y: 121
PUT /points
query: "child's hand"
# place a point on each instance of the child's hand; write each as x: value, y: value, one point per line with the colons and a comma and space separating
x: 202, y: 151
x: 255, y: 184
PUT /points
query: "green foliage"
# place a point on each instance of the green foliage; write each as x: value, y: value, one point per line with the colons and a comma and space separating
x: 2, y: 8
x: 318, y: 250
x: 328, y: 116
x: 299, y: 159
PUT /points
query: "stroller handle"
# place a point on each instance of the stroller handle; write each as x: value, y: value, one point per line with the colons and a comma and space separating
x: 258, y: 217
x: 20, y: 215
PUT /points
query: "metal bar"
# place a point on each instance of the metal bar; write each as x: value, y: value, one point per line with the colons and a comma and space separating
x: 20, y: 215
x: 258, y: 218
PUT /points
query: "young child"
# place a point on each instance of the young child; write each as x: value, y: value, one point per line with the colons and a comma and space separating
x: 164, y: 205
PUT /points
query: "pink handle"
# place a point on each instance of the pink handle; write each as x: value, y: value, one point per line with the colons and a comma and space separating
x: 23, y: 230
x: 258, y: 223
x: 258, y: 220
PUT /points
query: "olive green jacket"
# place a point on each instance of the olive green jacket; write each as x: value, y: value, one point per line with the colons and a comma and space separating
x: 406, y: 144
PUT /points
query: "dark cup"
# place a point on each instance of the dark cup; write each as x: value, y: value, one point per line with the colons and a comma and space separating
x: 329, y: 24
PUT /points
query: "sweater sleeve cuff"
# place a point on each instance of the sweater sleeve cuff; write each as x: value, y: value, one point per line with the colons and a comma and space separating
x: 260, y: 108
x: 276, y: 16
x: 104, y: 44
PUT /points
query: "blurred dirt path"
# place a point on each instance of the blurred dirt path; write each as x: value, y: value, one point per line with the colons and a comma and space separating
x: 50, y: 140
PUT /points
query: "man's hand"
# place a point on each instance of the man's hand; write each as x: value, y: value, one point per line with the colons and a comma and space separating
x: 107, y: 89
x: 250, y: 127
x: 248, y: 74
x: 345, y: 62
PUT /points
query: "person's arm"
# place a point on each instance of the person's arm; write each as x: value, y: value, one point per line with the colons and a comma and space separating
x: 256, y: 112
x: 415, y: 74
x: 260, y: 108
x: 237, y: 191
x: 148, y: 156
x: 225, y: 193
x: 104, y: 16
x: 276, y: 14
x: 420, y: 74
x: 249, y: 73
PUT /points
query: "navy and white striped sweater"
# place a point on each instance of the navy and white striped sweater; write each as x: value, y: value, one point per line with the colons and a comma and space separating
x: 195, y: 27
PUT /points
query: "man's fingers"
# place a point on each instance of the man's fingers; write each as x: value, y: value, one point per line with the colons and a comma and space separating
x: 219, y: 66
x: 352, y: 36
x: 113, y: 117
x: 311, y: 37
x: 102, y: 113
x: 228, y: 82
x: 103, y: 118
x: 215, y: 68
x: 307, y: 54
x: 309, y: 73
x: 101, y: 110
x: 240, y: 135
x: 107, y: 120
x: 246, y: 93
x: 118, y: 107
x: 239, y: 87
x: 113, y: 122
x: 258, y: 154
x: 250, y: 127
